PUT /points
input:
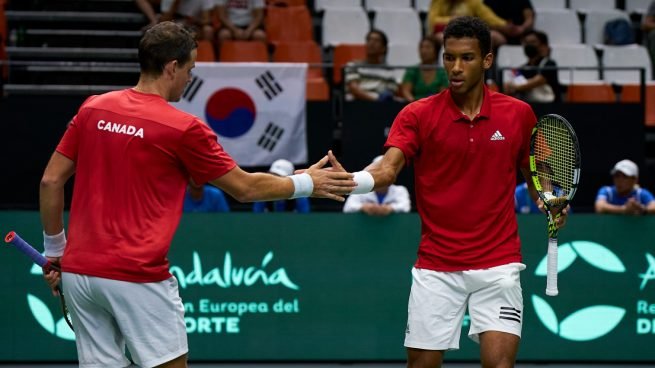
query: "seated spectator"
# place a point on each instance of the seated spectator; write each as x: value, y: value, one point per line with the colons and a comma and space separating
x: 519, y: 13
x: 523, y: 202
x: 625, y: 196
x: 535, y: 81
x: 282, y: 167
x: 371, y: 79
x: 147, y: 8
x: 195, y: 14
x: 648, y: 26
x: 204, y: 198
x: 424, y: 79
x: 380, y: 202
x: 241, y: 20
x: 442, y: 11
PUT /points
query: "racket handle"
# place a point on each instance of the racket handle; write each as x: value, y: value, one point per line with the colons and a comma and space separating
x: 551, y: 268
x: 28, y: 250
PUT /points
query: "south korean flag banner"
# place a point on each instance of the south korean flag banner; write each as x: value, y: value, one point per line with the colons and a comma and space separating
x: 257, y: 109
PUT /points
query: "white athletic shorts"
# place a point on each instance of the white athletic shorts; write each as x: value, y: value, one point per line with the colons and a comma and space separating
x: 109, y: 315
x: 438, y: 300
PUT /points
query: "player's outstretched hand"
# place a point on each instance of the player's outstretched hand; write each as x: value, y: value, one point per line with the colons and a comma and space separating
x: 331, y: 182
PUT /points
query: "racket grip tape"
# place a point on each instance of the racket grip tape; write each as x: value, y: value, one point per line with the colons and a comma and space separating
x: 20, y: 244
x: 551, y: 268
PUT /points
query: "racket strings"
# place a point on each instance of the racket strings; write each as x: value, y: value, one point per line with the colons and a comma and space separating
x: 555, y: 155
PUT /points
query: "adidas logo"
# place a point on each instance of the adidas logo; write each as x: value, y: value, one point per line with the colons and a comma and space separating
x: 497, y: 136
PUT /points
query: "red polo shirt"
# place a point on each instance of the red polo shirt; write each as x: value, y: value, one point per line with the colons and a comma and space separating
x: 465, y: 174
x: 134, y: 154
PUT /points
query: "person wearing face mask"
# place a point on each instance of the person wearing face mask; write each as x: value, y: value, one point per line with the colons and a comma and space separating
x: 535, y: 81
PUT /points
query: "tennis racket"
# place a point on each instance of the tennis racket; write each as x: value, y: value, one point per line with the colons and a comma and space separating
x: 39, y: 259
x: 555, y: 169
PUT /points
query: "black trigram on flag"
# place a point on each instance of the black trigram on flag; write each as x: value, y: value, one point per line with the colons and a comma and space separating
x: 268, y: 85
x: 271, y: 136
x: 192, y: 88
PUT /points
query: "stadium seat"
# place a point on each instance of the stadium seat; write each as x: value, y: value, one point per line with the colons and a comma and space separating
x: 549, y: 4
x: 300, y: 52
x: 375, y: 5
x: 575, y: 56
x: 317, y: 89
x: 400, y: 25
x: 637, y: 6
x: 243, y: 51
x: 320, y: 5
x: 561, y: 26
x: 344, y: 25
x: 592, y: 4
x: 343, y: 54
x: 205, y: 51
x: 631, y: 93
x: 288, y: 24
x: 422, y: 6
x: 591, y: 93
x: 403, y: 54
x: 625, y: 56
x: 594, y: 24
x: 509, y: 57
x: 286, y: 2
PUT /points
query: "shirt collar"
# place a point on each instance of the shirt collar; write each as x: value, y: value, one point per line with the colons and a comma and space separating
x: 485, y: 110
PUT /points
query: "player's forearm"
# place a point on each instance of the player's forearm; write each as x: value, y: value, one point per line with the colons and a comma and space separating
x: 265, y: 187
x: 51, y: 206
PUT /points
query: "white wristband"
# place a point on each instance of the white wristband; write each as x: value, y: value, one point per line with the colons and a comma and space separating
x: 303, y: 185
x: 365, y: 182
x: 54, y: 244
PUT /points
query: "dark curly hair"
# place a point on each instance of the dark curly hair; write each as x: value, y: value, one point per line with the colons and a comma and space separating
x: 472, y: 27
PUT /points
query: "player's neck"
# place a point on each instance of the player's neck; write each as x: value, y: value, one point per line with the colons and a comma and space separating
x: 151, y: 86
x: 470, y: 103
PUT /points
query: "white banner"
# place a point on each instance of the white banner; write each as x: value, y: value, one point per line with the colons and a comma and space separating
x: 257, y: 109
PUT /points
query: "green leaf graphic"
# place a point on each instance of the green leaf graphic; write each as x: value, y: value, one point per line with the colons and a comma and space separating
x: 565, y: 257
x: 591, y: 322
x: 545, y: 313
x: 41, y: 313
x: 64, y: 331
x: 598, y: 256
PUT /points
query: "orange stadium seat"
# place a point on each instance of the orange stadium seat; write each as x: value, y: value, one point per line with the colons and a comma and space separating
x: 631, y: 93
x: 286, y: 3
x: 243, y: 51
x: 300, y: 52
x: 205, y: 51
x: 591, y: 93
x: 317, y: 89
x: 290, y: 24
x: 343, y: 54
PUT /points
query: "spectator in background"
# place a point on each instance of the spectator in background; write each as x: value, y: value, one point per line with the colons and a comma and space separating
x: 382, y: 201
x: 204, y: 198
x: 424, y: 79
x: 523, y: 202
x: 282, y: 168
x: 241, y: 20
x: 442, y: 11
x: 371, y: 79
x: 519, y: 13
x: 535, y: 81
x: 648, y: 26
x: 194, y: 14
x: 147, y: 8
x: 625, y: 196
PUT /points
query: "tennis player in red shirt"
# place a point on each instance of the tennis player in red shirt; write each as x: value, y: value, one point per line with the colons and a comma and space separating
x: 132, y: 154
x: 466, y: 144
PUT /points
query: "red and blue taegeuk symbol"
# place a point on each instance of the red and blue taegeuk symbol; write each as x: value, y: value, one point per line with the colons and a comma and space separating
x: 230, y: 112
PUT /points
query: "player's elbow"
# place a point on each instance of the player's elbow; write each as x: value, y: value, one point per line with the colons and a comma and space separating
x: 51, y: 182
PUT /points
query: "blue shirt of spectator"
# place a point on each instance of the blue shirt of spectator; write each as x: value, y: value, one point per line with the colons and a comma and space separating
x: 301, y: 206
x: 612, y: 196
x: 523, y: 202
x: 211, y: 200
